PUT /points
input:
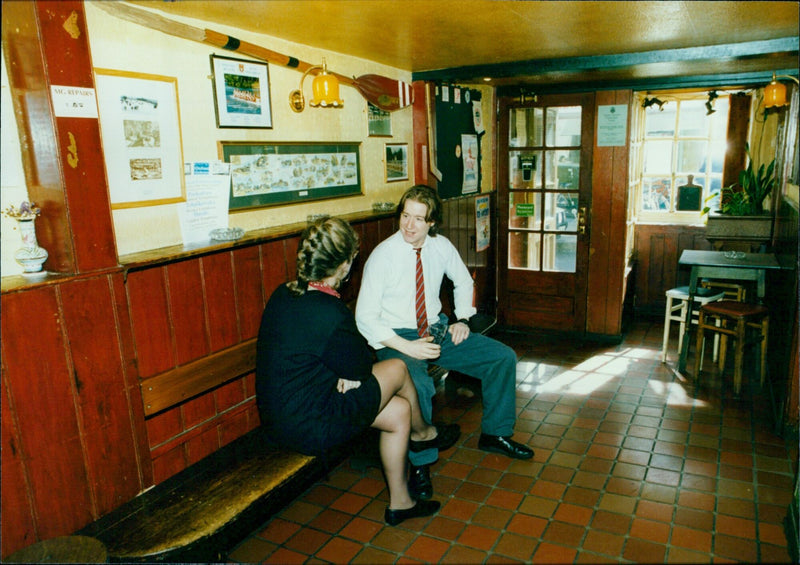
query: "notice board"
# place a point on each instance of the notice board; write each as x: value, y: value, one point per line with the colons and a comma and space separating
x: 458, y: 132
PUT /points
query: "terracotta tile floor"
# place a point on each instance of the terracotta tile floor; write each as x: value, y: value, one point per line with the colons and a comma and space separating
x: 630, y: 466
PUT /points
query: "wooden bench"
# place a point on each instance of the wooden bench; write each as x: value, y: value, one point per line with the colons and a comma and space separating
x: 202, y: 512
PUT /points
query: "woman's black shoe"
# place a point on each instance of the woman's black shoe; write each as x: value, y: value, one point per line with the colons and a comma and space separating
x: 446, y: 436
x: 421, y: 508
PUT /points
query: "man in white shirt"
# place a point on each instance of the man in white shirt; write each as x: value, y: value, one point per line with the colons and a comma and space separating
x: 386, y: 314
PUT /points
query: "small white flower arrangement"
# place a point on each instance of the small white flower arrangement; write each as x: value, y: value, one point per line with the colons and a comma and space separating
x: 26, y: 211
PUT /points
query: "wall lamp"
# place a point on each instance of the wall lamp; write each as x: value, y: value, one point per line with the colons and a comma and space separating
x: 775, y: 92
x: 325, y: 89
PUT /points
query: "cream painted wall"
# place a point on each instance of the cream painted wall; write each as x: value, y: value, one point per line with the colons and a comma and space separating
x: 116, y: 44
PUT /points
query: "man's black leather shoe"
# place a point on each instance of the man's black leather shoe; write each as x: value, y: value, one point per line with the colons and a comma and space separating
x: 421, y: 508
x: 504, y: 446
x: 447, y: 435
x: 419, y: 482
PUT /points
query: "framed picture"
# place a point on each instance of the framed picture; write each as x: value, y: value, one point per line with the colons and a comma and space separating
x: 380, y: 121
x: 396, y: 161
x: 270, y: 174
x: 241, y: 93
x: 141, y: 134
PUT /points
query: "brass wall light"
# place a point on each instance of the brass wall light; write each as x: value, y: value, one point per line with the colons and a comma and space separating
x: 325, y: 89
x: 775, y: 92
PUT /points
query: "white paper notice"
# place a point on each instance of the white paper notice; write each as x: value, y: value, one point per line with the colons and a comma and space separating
x: 612, y: 125
x: 73, y: 101
x: 208, y: 185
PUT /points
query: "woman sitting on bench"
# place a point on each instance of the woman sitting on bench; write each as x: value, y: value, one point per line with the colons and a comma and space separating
x: 316, y: 384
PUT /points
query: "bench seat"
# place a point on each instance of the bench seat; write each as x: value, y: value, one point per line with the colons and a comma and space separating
x: 200, y: 513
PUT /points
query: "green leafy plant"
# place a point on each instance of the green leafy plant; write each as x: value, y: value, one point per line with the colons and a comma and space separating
x: 746, y: 198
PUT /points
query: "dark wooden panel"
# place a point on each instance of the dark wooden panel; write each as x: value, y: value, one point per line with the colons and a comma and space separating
x: 219, y: 300
x: 273, y: 266
x: 16, y: 527
x: 164, y: 426
x: 202, y: 445
x: 233, y: 428
x: 147, y: 299
x: 229, y: 395
x: 169, y: 463
x: 42, y: 392
x: 98, y: 374
x: 184, y: 382
x: 187, y: 310
x: 290, y: 252
x: 131, y: 378
x: 198, y: 410
x: 249, y: 292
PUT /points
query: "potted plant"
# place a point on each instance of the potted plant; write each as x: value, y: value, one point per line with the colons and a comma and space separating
x: 741, y: 215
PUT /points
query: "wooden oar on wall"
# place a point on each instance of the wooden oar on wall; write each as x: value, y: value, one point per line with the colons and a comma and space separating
x: 385, y: 93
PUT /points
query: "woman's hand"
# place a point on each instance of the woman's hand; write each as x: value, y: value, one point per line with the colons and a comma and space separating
x: 344, y: 385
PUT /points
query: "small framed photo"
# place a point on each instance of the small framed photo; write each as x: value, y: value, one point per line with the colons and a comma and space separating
x: 380, y: 121
x: 396, y: 161
x: 241, y: 93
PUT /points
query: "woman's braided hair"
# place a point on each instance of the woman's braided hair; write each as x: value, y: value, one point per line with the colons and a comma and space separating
x: 324, y: 246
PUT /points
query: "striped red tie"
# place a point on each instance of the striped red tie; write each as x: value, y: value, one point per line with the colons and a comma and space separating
x: 422, y: 315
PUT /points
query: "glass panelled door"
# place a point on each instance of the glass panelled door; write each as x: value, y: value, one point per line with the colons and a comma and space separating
x: 545, y: 157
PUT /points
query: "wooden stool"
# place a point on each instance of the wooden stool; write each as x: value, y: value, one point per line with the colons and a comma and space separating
x: 677, y: 303
x: 731, y: 318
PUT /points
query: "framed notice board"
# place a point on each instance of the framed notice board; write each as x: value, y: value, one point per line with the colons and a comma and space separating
x: 457, y: 141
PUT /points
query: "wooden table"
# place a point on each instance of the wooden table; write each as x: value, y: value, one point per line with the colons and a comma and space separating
x: 723, y: 265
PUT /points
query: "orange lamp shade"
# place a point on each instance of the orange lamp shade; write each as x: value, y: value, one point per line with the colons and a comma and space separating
x: 326, y: 91
x: 774, y: 94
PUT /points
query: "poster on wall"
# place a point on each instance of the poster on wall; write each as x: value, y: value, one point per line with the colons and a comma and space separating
x: 483, y: 229
x: 469, y: 154
x: 612, y: 125
x: 268, y: 174
x: 141, y: 135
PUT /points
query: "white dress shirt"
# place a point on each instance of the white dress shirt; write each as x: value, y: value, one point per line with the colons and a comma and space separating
x: 387, y: 296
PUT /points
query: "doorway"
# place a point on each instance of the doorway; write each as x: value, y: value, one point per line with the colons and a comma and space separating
x: 544, y: 204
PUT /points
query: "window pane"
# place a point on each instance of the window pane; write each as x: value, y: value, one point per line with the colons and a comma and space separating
x: 566, y: 126
x: 691, y: 156
x: 559, y: 252
x: 561, y: 211
x: 567, y: 169
x: 693, y: 120
x: 656, y: 193
x: 658, y: 157
x: 524, y: 169
x: 525, y: 210
x: 660, y: 123
x: 718, y: 155
x: 525, y: 127
x: 523, y: 250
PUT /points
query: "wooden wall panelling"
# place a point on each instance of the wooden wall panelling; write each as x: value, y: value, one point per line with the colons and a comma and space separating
x: 273, y: 266
x: 130, y: 376
x: 17, y: 529
x: 43, y: 395
x: 102, y: 401
x: 79, y: 151
x: 187, y: 310
x: 290, y: 249
x: 152, y: 332
x: 169, y: 463
x: 220, y: 304
x: 249, y: 291
x: 607, y: 230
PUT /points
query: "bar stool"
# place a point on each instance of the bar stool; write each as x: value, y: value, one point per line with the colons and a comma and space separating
x: 730, y: 318
x: 677, y: 302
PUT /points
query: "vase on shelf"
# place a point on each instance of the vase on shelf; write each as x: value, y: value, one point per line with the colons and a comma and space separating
x: 30, y: 255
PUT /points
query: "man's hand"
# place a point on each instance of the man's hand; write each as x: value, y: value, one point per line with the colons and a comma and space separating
x: 422, y: 348
x: 344, y: 385
x: 459, y: 332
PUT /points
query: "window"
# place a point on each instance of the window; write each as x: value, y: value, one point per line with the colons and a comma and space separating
x: 682, y: 156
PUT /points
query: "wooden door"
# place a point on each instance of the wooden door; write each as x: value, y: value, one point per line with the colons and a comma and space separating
x: 544, y: 207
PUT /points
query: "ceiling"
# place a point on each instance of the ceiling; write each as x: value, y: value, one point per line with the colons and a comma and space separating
x: 529, y: 42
